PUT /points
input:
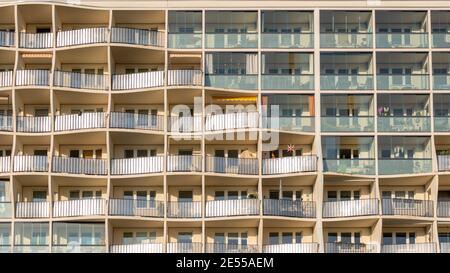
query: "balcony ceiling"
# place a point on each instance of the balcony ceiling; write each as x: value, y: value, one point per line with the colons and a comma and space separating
x: 400, y: 17
x: 401, y: 58
x: 288, y: 17
x: 441, y: 58
x: 234, y: 139
x: 283, y: 223
x: 36, y: 14
x: 77, y: 98
x: 91, y: 138
x: 62, y: 181
x: 91, y: 55
x: 442, y: 140
x: 405, y: 223
x: 414, y: 99
x: 7, y: 15
x: 120, y: 138
x: 69, y: 15
x: 236, y: 17
x: 31, y: 180
x: 359, y: 223
x: 348, y: 140
x: 6, y: 140
x: 7, y: 57
x: 39, y: 96
x: 187, y: 181
x: 440, y: 17
x: 304, y: 180
x: 125, y: 55
x: 151, y: 97
x: 214, y: 180
x: 149, y: 181
x: 353, y: 58
x: 135, y: 224
x: 348, y: 17
x: 33, y: 140
x: 138, y: 17
x: 444, y: 181
x: 342, y: 180
x: 406, y: 181
x: 183, y: 96
x: 231, y: 223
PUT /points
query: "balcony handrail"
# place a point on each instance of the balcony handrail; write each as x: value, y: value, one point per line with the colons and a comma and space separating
x: 5, y: 164
x: 443, y: 162
x: 291, y: 248
x: 32, y: 209
x: 290, y: 164
x: 182, y: 77
x: 136, y: 207
x: 125, y: 120
x: 137, y: 165
x: 193, y: 247
x: 6, y: 78
x: 231, y: 248
x: 32, y: 124
x: 341, y: 247
x: 80, y: 80
x: 139, y: 36
x: 346, y: 32
x: 137, y: 80
x: 69, y: 122
x: 443, y: 208
x: 245, y: 166
x: 30, y: 163
x: 349, y: 208
x: 77, y: 165
x: 137, y: 248
x: 184, y: 209
x: 33, y: 77
x: 184, y: 163
x: 35, y: 40
x: 408, y: 207
x: 5, y: 209
x: 224, y: 121
x: 232, y: 207
x: 7, y: 38
x: 90, y: 35
x: 289, y: 208
x: 409, y: 248
x: 79, y: 207
x: 348, y: 75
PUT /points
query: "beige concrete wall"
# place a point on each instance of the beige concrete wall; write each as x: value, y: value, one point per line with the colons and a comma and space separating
x: 118, y: 234
x: 173, y: 233
x: 366, y: 234
x: 196, y: 193
x: 118, y: 192
x: 252, y: 234
x: 307, y: 233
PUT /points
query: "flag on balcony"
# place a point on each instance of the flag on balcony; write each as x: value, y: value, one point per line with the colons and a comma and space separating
x: 290, y: 148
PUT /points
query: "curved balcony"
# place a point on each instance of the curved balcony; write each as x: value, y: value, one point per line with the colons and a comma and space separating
x: 407, y: 207
x: 75, y: 165
x: 404, y: 124
x: 244, y: 166
x: 33, y: 209
x: 231, y: 121
x: 80, y: 121
x: 134, y: 36
x: 185, y: 40
x: 231, y: 40
x: 5, y: 164
x: 5, y: 209
x: 33, y: 77
x: 184, y: 163
x: 185, y: 124
x: 77, y: 80
x: 287, y: 40
x: 402, y: 40
x: 33, y: 124
x: 137, y: 248
x: 347, y: 124
x: 346, y: 40
x: 289, y: 208
x: 404, y: 166
x: 350, y: 248
x: 443, y: 209
x: 184, y: 248
x: 6, y: 78
x: 78, y: 248
x: 121, y: 120
x: 7, y: 38
x: 82, y: 36
x: 235, y: 207
x: 409, y: 248
x: 350, y: 208
x: 36, y: 40
x: 292, y: 248
x: 185, y: 77
x: 138, y: 165
x: 231, y: 248
x: 184, y: 209
x: 231, y: 81
x: 79, y: 207
x: 30, y: 163
x: 346, y: 82
x: 140, y: 80
x: 356, y: 166
x: 291, y: 124
x: 291, y: 164
x: 287, y: 82
x: 136, y: 207
x: 403, y: 82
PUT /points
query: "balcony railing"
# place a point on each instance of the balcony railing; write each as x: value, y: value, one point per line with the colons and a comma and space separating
x: 31, y: 249
x: 138, y: 165
x: 136, y: 36
x: 350, y: 166
x: 407, y: 207
x: 80, y: 80
x: 32, y: 209
x: 246, y: 166
x: 137, y: 248
x: 184, y: 163
x: 231, y: 248
x: 287, y: 40
x: 403, y: 82
x: 230, y: 121
x: 136, y: 121
x: 291, y: 164
x: 75, y: 165
x: 5, y: 209
x: 292, y: 248
x: 441, y: 40
x: 229, y: 81
x: 287, y: 82
x: 184, y: 209
x: 5, y: 164
x: 294, y: 124
x: 7, y: 38
x: 346, y: 82
x: 33, y: 124
x: 445, y: 247
x: 402, y: 40
x: 184, y: 248
x: 349, y: 208
x: 80, y: 207
x: 78, y: 249
x: 82, y: 36
x: 347, y: 124
x: 185, y: 77
x: 404, y: 166
x: 6, y: 78
x: 443, y: 209
x: 441, y: 82
x: 346, y: 40
x: 443, y: 162
x: 350, y: 248
x: 136, y: 207
x: 289, y: 208
x: 80, y: 121
x: 404, y: 124
x: 30, y: 163
x: 6, y: 123
x: 138, y: 80
x: 185, y: 40
x: 236, y: 207
x: 5, y: 249
x: 187, y: 124
x: 409, y: 248
x: 231, y: 40
x: 36, y: 40
x: 33, y: 77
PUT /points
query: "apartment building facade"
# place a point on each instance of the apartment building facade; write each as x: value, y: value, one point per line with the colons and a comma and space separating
x: 225, y: 126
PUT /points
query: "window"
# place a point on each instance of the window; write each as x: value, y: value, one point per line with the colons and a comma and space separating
x: 128, y: 153
x: 332, y: 237
x: 298, y: 237
x: 346, y: 237
x: 74, y: 153
x: 74, y: 195
x: 219, y: 195
x: 387, y: 238
x: 142, y: 153
x: 286, y: 238
x: 39, y: 196
x: 127, y: 238
x: 332, y: 196
x: 273, y: 238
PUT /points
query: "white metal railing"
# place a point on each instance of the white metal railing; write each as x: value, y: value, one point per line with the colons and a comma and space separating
x: 75, y: 165
x: 348, y: 208
x: 6, y: 78
x: 6, y: 123
x: 443, y: 163
x: 185, y: 77
x: 292, y: 248
x: 220, y: 208
x: 136, y: 207
x: 82, y: 36
x: 185, y: 124
x: 80, y: 121
x: 184, y: 247
x: 184, y: 209
x: 80, y: 207
x: 7, y: 38
x: 231, y: 248
x: 409, y: 248
x: 136, y: 36
x: 5, y: 164
x: 292, y: 164
x: 136, y: 121
x: 138, y: 80
x: 33, y: 124
x: 76, y: 248
x: 184, y: 163
x: 33, y: 77
x: 36, y: 40
x: 138, y: 165
x: 228, y: 121
x: 137, y: 248
x: 32, y: 209
x: 246, y: 166
x: 30, y: 163
x: 78, y: 80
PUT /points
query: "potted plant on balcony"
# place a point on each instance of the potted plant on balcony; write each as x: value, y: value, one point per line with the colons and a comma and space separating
x: 252, y: 195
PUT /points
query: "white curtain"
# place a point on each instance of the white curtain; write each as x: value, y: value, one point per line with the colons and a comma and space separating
x: 251, y: 63
x: 209, y: 64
